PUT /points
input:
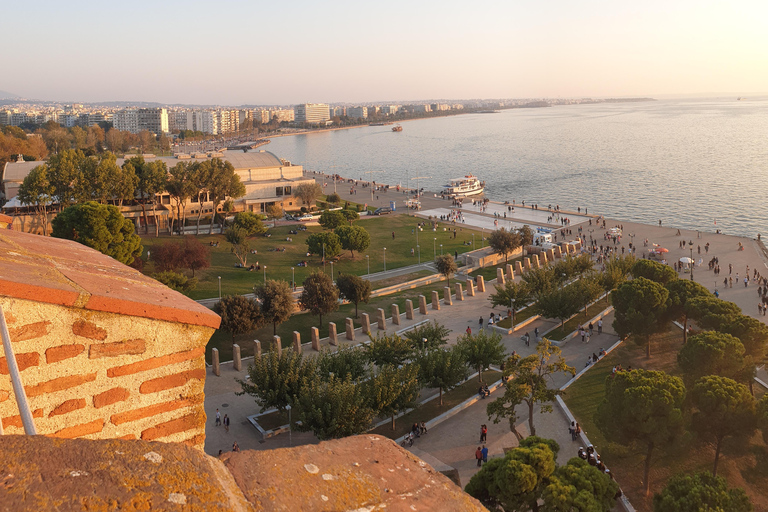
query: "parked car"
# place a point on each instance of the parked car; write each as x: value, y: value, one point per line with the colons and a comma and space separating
x: 384, y: 210
x: 306, y: 217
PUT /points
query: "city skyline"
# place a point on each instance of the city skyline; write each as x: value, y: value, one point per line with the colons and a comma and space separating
x: 241, y: 53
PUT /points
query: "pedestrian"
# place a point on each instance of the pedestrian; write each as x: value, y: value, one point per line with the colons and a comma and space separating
x: 226, y: 423
x: 479, y: 456
x: 583, y: 335
x: 423, y: 428
x: 480, y: 322
x: 527, y: 339
x: 536, y: 334
x: 483, y: 433
x: 235, y: 447
x: 218, y: 418
x: 746, y: 282
x: 484, y: 451
x: 591, y: 327
x: 393, y: 235
x: 469, y: 331
x: 600, y: 326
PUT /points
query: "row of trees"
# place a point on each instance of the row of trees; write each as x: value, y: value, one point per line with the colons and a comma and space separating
x: 505, y: 242
x: 341, y: 393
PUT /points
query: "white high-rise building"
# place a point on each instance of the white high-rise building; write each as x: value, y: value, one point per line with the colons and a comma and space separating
x: 311, y: 113
x: 123, y: 120
x: 154, y: 120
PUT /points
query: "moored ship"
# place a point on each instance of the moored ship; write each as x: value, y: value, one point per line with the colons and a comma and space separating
x: 464, y: 187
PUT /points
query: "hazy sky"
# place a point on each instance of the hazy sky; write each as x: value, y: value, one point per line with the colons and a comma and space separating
x: 291, y: 51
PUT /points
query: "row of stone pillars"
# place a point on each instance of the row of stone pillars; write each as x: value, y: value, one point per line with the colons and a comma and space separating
x: 534, y: 261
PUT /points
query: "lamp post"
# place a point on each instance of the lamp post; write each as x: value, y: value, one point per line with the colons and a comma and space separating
x: 331, y: 271
x: 385, y: 259
x: 691, y: 247
x: 290, y: 426
x: 293, y: 278
x: 323, y: 257
x: 418, y: 248
x: 473, y: 241
x: 265, y: 274
x: 368, y: 261
x: 441, y: 249
x: 483, y: 244
x: 219, y: 287
x: 513, y: 313
x: 434, y: 249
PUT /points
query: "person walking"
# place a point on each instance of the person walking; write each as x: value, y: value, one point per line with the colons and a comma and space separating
x: 480, y: 323
x: 235, y: 447
x: 483, y: 433
x: 479, y: 456
x: 218, y: 418
x: 591, y: 327
x: 536, y: 334
x: 226, y: 423
x: 600, y: 326
x: 484, y: 451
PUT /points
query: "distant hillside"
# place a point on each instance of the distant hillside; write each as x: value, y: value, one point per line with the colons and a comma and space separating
x: 4, y: 95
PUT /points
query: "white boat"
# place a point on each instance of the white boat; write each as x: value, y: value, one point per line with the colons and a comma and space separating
x: 464, y: 187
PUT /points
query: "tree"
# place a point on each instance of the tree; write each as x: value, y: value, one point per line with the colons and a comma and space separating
x: 725, y: 408
x: 308, y: 192
x: 65, y: 172
x: 714, y: 353
x: 200, y: 175
x: 320, y: 296
x: 394, y: 389
x: 225, y: 183
x: 560, y: 303
x: 586, y: 290
x: 176, y: 281
x: 528, y: 382
x: 680, y: 291
x: 446, y: 266
x: 353, y: 238
x: 345, y: 362
x: 194, y: 255
x: 350, y: 215
x: 700, y: 492
x: 526, y: 235
x: 180, y: 187
x: 640, y: 306
x: 617, y: 269
x: 277, y: 303
x: 122, y: 181
x: 515, y: 482
x: 512, y: 295
x: 238, y: 237
x: 332, y: 219
x: 335, y: 408
x: 653, y: 270
x: 540, y: 281
x: 239, y: 314
x: 711, y: 312
x: 579, y: 486
x: 441, y: 368
x: 152, y: 180
x: 504, y: 242
x: 274, y: 212
x: 250, y: 223
x: 643, y: 408
x: 753, y: 334
x: 435, y: 334
x: 334, y: 198
x: 354, y: 289
x: 276, y: 379
x: 388, y: 350
x: 36, y: 190
x: 324, y: 244
x: 101, y: 227
x: 481, y: 350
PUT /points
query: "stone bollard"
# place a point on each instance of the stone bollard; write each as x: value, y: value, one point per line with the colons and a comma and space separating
x: 577, y: 247
x: 315, y: 338
x: 510, y: 272
x: 215, y: 361
x: 550, y: 255
x: 297, y: 342
x: 447, y: 296
x: 422, y: 305
x: 527, y: 263
x: 557, y: 251
x: 381, y: 319
x: 350, y: 327
x: 459, y: 291
x: 535, y: 261
x: 519, y: 267
x: 333, y: 338
x: 435, y: 300
x: 409, y: 309
x: 366, y: 323
x: 277, y: 345
x: 500, y: 276
x: 256, y: 349
x: 470, y: 287
x: 395, y: 314
x: 544, y: 258
x: 237, y: 363
x: 480, y: 284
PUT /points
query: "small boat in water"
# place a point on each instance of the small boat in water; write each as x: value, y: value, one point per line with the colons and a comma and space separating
x: 397, y: 128
x: 464, y: 187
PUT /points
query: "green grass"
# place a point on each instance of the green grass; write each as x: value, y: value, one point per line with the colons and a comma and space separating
x: 240, y: 281
x: 520, y: 316
x: 571, y: 325
x: 433, y: 408
x: 489, y: 273
x: 383, y: 283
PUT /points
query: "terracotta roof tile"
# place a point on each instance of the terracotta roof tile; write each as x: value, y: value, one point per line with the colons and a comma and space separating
x: 64, y: 272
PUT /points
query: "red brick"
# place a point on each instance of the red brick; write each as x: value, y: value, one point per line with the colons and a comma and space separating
x: 80, y: 430
x: 29, y: 331
x: 89, y: 330
x: 110, y: 397
x: 171, y: 381
x: 195, y: 440
x: 9, y: 318
x: 155, y: 362
x: 182, y: 424
x: 4, y: 395
x: 23, y: 361
x: 68, y: 406
x: 153, y: 410
x: 128, y: 437
x: 62, y: 352
x: 119, y: 348
x: 59, y: 384
x: 15, y: 421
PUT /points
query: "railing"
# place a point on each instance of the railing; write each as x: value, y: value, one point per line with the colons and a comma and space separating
x: 18, y: 386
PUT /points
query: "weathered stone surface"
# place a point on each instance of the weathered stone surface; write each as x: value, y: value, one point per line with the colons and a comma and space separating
x: 237, y: 363
x: 364, y: 472
x: 297, y: 342
x: 381, y: 319
x: 315, y: 335
x: 470, y: 287
x: 481, y: 284
x: 408, y: 309
x: 435, y: 300
x: 535, y: 261
x: 366, y: 323
x: 422, y: 305
x: 81, y: 474
x: 509, y: 271
x: 519, y: 267
x: 500, y: 276
x: 527, y: 263
x: 395, y: 314
x: 333, y: 337
x: 277, y: 344
x: 350, y: 328
x: 447, y: 296
x: 215, y: 365
x: 459, y: 291
x: 256, y: 349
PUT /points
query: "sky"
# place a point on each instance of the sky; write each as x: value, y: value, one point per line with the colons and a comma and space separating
x: 285, y: 52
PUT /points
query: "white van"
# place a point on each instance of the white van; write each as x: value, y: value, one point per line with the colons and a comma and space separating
x: 541, y: 238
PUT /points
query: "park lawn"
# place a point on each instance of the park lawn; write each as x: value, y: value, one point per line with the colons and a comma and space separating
x: 383, y: 283
x: 432, y: 409
x: 489, y: 273
x: 742, y: 466
x: 581, y: 317
x: 520, y: 316
x: 237, y: 281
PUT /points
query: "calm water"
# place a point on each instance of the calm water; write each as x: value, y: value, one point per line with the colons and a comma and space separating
x: 685, y: 162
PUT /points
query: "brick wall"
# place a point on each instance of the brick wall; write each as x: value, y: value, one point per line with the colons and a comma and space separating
x: 104, y: 375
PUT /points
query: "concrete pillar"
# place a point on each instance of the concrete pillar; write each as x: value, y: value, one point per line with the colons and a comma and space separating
x: 256, y: 349
x: 558, y: 252
x: 215, y: 361
x: 510, y: 272
x: 381, y: 319
x: 237, y: 363
x: 315, y: 338
x: 551, y: 255
x: 297, y: 342
x: 435, y: 300
x: 544, y: 258
x: 277, y: 345
x: 500, y: 276
x: 333, y: 338
x: 366, y: 323
x: 577, y: 247
x: 422, y: 305
x: 519, y: 268
x: 470, y: 287
x: 480, y: 284
x: 395, y: 314
x: 447, y: 296
x: 459, y: 291
x: 527, y: 263
x: 409, y: 309
x: 350, y: 327
x: 535, y: 261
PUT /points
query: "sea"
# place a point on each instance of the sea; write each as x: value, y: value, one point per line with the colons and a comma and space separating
x: 696, y: 164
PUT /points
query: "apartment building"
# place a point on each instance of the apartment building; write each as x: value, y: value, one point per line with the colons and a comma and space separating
x: 390, y: 110
x: 311, y: 113
x: 357, y: 112
x: 154, y: 120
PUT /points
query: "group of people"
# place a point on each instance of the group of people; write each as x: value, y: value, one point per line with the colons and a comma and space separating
x: 484, y: 391
x: 574, y: 429
x: 417, y: 430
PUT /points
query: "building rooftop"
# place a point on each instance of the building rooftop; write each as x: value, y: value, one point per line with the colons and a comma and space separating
x: 67, y: 273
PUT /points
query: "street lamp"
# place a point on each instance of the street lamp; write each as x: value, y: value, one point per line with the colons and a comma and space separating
x: 368, y: 261
x: 331, y: 271
x: 293, y: 278
x: 513, y: 313
x: 473, y: 241
x: 323, y: 257
x: 691, y: 247
x: 483, y: 244
x: 419, y: 249
x: 441, y: 249
x: 290, y: 426
x: 265, y: 274
x: 434, y: 249
x: 219, y: 287
x: 385, y: 259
